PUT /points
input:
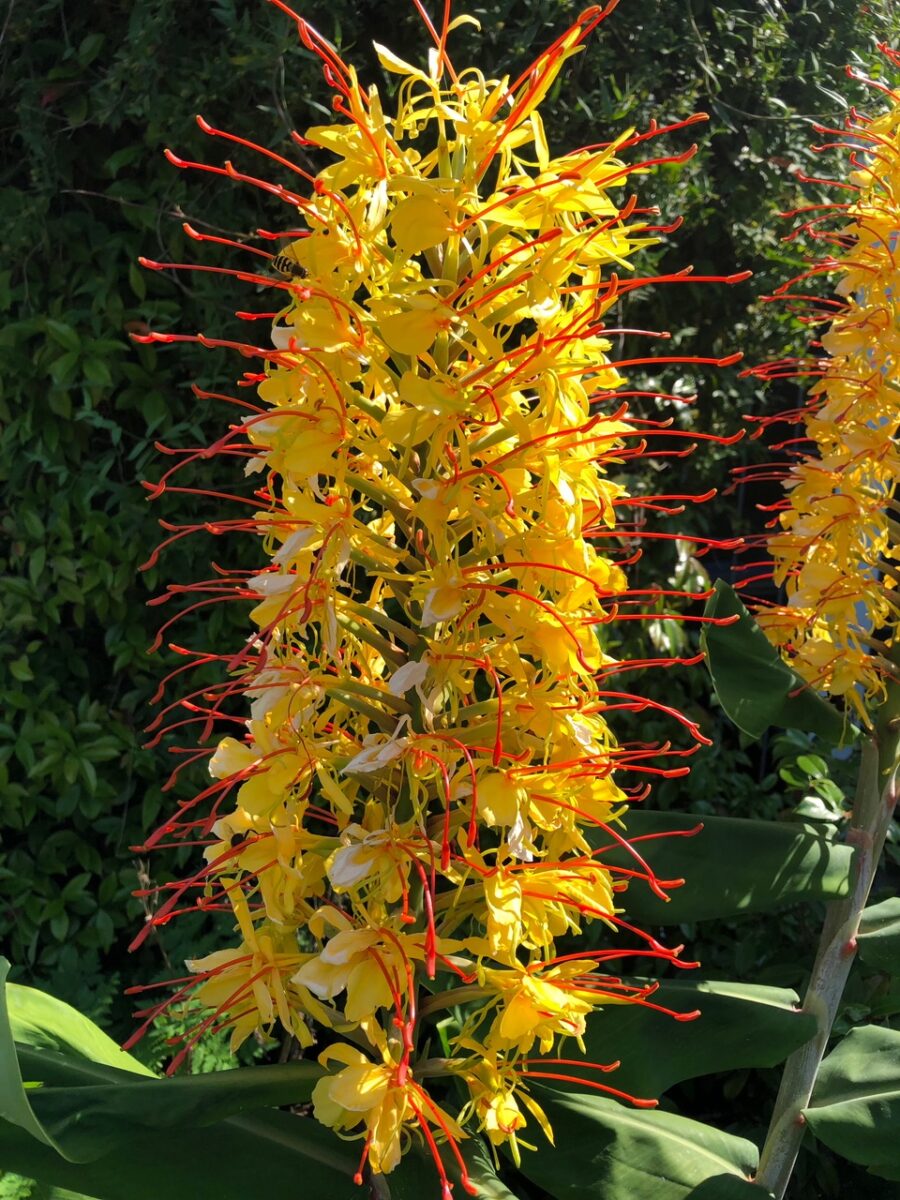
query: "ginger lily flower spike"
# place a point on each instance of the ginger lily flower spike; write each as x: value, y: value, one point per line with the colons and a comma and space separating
x: 421, y: 804
x: 835, y: 546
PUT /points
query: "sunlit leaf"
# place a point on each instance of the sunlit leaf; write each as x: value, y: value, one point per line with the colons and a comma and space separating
x: 610, y: 1151
x: 855, y: 1107
x: 754, y: 684
x: 732, y: 865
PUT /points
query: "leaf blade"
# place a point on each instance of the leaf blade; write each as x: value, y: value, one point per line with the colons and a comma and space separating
x: 741, y: 1025
x: 610, y: 1151
x: 879, y: 935
x: 755, y: 686
x: 732, y: 865
x: 855, y: 1106
x: 41, y: 1021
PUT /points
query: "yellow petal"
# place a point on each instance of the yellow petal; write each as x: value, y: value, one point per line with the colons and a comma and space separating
x: 230, y: 757
x: 359, y: 1088
x: 367, y: 990
x: 420, y: 222
x: 413, y: 332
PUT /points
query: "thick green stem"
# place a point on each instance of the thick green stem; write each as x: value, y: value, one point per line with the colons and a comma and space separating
x: 872, y: 812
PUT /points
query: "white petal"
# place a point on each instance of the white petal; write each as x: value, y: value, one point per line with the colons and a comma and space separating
x: 373, y: 757
x: 410, y: 675
x: 298, y: 540
x: 349, y: 865
x: 270, y: 584
x: 519, y: 839
x: 283, y: 335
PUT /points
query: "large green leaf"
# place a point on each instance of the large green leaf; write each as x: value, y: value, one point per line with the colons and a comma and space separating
x: 82, y: 1124
x: 416, y: 1177
x: 481, y: 1173
x: 730, y: 866
x: 83, y: 1109
x: 754, y: 684
x: 231, y: 1160
x: 43, y: 1022
x: 855, y: 1107
x: 88, y: 1113
x: 879, y: 935
x: 741, y: 1025
x: 14, y: 1106
x: 234, y: 1160
x: 609, y: 1151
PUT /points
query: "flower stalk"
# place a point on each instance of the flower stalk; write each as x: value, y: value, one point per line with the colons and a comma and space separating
x: 873, y: 810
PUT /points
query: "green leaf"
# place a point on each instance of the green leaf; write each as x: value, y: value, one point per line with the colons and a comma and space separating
x: 14, y: 1106
x: 34, y: 1190
x: 481, y: 1172
x: 60, y: 403
x: 62, y: 369
x: 45, y: 1023
x: 137, y: 281
x: 855, y: 1107
x: 145, y: 1138
x: 88, y: 1117
x: 96, y: 371
x: 814, y: 766
x: 20, y: 669
x: 273, y: 1153
x: 730, y: 866
x: 63, y: 334
x: 814, y: 808
x: 90, y: 47
x: 741, y: 1025
x: 84, y: 1109
x: 231, y: 1158
x: 416, y: 1176
x: 608, y: 1151
x: 879, y: 935
x: 755, y: 686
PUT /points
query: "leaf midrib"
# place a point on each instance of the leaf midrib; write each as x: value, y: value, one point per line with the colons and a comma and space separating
x: 863, y: 1092
x: 682, y: 1140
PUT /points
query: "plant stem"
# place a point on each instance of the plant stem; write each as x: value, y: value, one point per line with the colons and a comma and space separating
x: 869, y: 822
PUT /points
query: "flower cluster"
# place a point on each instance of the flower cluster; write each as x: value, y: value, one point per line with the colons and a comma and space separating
x: 835, y: 548
x: 427, y: 789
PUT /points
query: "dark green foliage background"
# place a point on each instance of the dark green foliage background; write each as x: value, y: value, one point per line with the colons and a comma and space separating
x: 94, y: 91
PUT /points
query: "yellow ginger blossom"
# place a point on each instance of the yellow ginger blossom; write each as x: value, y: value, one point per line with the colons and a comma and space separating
x: 432, y: 456
x: 383, y: 1097
x: 499, y: 1101
x: 835, y: 546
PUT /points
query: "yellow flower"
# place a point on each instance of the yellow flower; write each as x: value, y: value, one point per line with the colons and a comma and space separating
x: 248, y: 987
x: 437, y: 453
x: 373, y: 965
x: 534, y: 1008
x: 834, y: 551
x: 497, y: 1095
x: 384, y: 1098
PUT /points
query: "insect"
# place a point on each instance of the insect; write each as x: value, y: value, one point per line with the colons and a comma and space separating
x: 285, y: 265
